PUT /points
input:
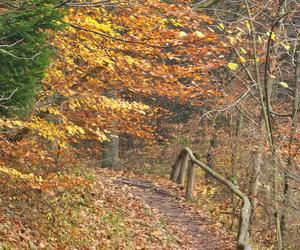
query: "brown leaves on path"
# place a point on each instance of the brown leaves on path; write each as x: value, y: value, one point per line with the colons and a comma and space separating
x: 193, y: 229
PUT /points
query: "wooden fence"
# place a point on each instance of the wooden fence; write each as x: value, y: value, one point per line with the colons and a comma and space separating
x: 185, y: 166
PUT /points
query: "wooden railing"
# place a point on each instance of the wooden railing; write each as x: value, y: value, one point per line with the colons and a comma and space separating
x: 185, y: 166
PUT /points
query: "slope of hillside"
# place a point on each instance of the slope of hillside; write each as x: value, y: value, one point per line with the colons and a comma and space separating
x: 112, y: 212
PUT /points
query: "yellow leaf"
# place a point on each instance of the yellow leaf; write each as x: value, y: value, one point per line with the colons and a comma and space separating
x: 199, y: 34
x: 247, y: 23
x: 273, y: 36
x: 182, y: 34
x: 222, y: 26
x: 242, y: 59
x: 175, y: 23
x: 232, y: 66
x: 130, y: 60
x: 232, y: 40
x: 286, y: 46
x: 243, y: 51
x: 284, y: 84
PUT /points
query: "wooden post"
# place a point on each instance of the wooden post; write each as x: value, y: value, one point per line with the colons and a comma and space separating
x: 176, y: 168
x: 190, y: 181
x: 245, y: 213
x: 182, y: 173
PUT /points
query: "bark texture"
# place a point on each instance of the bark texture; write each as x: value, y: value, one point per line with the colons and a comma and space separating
x: 110, y: 153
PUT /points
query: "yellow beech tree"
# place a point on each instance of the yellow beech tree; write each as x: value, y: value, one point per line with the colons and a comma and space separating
x: 113, y: 60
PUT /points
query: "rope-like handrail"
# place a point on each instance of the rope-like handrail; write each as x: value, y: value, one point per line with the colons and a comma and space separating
x: 180, y: 167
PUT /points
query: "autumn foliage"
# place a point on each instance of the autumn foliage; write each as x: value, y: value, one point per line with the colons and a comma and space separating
x: 217, y: 76
x: 109, y: 66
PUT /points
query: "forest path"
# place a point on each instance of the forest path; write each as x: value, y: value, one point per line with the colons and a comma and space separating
x: 194, y: 227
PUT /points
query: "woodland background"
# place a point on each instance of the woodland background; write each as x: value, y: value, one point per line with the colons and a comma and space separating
x: 125, y: 85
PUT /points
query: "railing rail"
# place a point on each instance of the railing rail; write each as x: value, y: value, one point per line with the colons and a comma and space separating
x: 185, y: 165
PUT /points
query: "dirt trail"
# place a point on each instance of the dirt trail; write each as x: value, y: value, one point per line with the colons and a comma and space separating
x: 198, y: 231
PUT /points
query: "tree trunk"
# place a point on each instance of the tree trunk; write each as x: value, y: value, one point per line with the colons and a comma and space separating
x: 290, y: 161
x: 210, y: 158
x: 236, y: 149
x: 254, y: 184
x: 110, y: 153
x: 234, y: 161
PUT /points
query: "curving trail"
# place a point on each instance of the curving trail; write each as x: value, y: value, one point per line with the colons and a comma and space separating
x: 196, y: 229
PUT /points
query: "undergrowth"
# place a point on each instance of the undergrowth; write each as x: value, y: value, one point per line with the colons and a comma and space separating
x: 97, y: 215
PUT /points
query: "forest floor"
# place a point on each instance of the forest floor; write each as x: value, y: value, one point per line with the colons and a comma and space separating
x: 117, y: 210
x: 192, y: 228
